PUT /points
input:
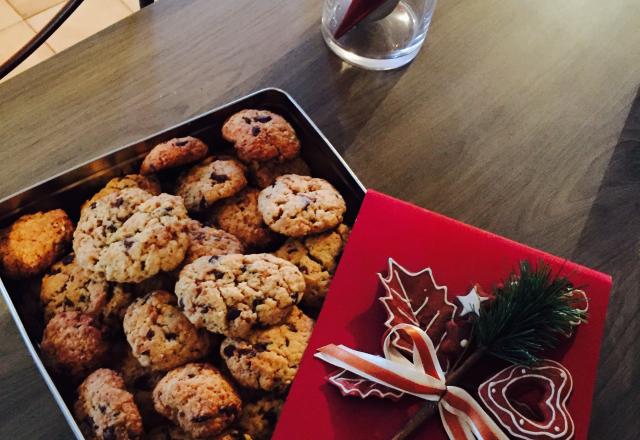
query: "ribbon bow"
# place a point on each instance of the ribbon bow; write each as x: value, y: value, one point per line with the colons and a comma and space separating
x: 461, y: 415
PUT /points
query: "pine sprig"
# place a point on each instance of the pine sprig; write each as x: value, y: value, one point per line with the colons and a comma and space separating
x: 531, y: 313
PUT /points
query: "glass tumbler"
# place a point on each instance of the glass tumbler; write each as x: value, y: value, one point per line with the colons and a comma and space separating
x: 389, y: 37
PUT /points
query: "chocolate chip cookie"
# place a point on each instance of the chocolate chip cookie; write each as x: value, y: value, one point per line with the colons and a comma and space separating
x: 129, y: 236
x: 207, y: 241
x: 73, y: 344
x: 261, y: 135
x: 233, y: 294
x: 160, y: 336
x: 69, y: 287
x: 105, y: 409
x: 173, y: 153
x: 259, y: 418
x: 239, y: 216
x: 301, y: 205
x: 198, y: 399
x: 268, y: 359
x: 263, y: 174
x: 34, y: 242
x: 210, y: 181
x: 317, y: 257
x: 146, y: 183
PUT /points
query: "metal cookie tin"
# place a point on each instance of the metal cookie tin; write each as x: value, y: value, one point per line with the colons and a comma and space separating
x: 70, y: 189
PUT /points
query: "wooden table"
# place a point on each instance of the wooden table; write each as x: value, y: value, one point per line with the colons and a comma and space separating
x: 510, y: 119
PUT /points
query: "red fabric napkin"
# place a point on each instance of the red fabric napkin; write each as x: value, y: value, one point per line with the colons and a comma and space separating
x: 459, y: 255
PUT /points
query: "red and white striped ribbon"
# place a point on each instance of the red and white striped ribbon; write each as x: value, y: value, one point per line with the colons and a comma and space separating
x: 461, y: 415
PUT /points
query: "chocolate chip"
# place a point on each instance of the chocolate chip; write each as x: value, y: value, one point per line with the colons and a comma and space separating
x: 102, y: 408
x: 127, y: 244
x: 180, y: 304
x: 255, y: 130
x: 150, y: 334
x: 171, y: 336
x: 262, y: 119
x: 229, y: 350
x: 247, y: 120
x: 68, y: 259
x: 93, y: 205
x: 213, y: 260
x: 228, y: 410
x: 145, y: 353
x: 181, y: 143
x: 143, y: 265
x: 292, y: 328
x: 109, y: 433
x: 246, y: 352
x: 202, y: 418
x: 220, y: 178
x: 232, y: 314
x: 260, y: 347
x: 205, y: 308
x: 203, y: 203
x: 112, y: 228
x: 294, y: 297
x: 256, y: 302
x: 118, y: 202
x: 82, y: 298
x: 67, y: 302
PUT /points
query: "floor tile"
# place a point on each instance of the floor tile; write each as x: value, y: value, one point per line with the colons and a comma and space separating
x: 134, y: 5
x: 28, y: 8
x: 13, y: 38
x: 39, y: 20
x: 90, y: 17
x: 8, y: 15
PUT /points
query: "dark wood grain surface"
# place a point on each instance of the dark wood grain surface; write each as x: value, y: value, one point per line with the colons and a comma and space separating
x: 516, y: 117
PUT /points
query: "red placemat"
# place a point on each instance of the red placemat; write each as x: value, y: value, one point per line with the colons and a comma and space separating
x: 459, y: 255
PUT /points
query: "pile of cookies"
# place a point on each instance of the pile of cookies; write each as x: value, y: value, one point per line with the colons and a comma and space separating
x: 183, y: 309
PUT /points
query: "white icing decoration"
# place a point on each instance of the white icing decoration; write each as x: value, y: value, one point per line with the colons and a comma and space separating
x: 521, y: 421
x: 563, y: 415
x: 471, y: 302
x: 464, y: 343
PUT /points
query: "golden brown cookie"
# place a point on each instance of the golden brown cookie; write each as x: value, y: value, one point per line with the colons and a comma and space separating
x: 233, y: 294
x: 198, y: 399
x: 207, y: 241
x: 261, y: 135
x: 105, y: 409
x: 173, y: 153
x: 146, y: 183
x: 239, y: 216
x: 160, y: 336
x: 317, y: 257
x: 34, y: 242
x: 268, y: 359
x: 263, y: 174
x: 73, y: 344
x: 301, y: 205
x: 209, y: 181
x: 259, y: 418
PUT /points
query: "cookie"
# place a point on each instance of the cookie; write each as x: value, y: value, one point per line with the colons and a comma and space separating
x: 259, y: 418
x: 207, y: 241
x: 263, y: 174
x: 261, y: 135
x: 105, y: 409
x: 34, y: 242
x: 173, y: 153
x: 146, y: 183
x: 73, y: 344
x: 198, y: 399
x: 69, y: 287
x: 301, y: 205
x: 317, y: 257
x: 160, y: 336
x: 233, y: 294
x: 210, y: 181
x: 268, y: 359
x: 129, y: 236
x: 239, y: 216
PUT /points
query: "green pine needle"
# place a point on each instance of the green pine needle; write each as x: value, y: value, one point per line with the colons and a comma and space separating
x: 531, y: 313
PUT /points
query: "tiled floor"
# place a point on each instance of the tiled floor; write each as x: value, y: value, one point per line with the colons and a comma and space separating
x: 21, y: 19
